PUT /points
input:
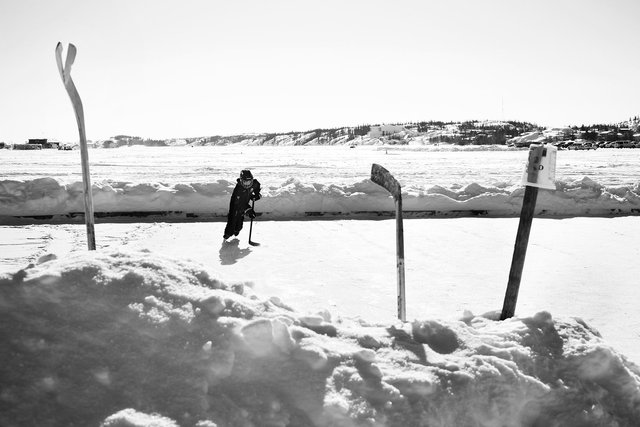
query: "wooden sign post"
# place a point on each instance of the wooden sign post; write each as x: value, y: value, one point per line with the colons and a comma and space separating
x: 383, y: 177
x: 65, y: 74
x: 540, y: 173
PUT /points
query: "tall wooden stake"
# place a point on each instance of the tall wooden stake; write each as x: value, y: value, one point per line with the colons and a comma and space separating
x: 383, y: 177
x: 65, y: 74
x: 519, y: 252
x: 539, y: 173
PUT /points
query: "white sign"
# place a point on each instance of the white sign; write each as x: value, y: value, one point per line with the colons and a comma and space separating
x: 541, y: 167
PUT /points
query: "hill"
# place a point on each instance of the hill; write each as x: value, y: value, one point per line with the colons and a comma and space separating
x: 487, y: 132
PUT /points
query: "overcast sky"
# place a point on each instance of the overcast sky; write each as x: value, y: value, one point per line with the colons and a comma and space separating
x: 161, y: 69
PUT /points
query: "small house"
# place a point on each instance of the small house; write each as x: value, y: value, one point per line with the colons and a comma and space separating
x: 44, y: 143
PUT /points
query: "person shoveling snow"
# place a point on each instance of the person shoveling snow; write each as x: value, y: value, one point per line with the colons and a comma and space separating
x: 247, y: 189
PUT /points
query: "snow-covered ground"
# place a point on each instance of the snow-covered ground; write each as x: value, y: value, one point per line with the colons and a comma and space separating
x: 166, y: 324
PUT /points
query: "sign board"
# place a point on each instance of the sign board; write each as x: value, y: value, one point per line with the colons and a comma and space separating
x: 541, y: 167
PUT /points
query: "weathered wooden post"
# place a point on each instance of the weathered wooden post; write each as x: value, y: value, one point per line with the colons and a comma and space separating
x: 383, y: 177
x: 540, y: 173
x: 65, y: 74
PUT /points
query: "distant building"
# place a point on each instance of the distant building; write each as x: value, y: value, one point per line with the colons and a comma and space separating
x: 625, y: 133
x: 44, y: 143
x: 608, y: 136
x: 27, y: 146
x: 383, y: 130
x: 36, y: 142
x: 558, y: 134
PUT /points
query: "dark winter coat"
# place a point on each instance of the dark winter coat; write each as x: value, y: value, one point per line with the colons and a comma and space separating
x: 238, y: 206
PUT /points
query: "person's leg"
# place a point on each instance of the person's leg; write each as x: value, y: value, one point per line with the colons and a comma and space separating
x: 239, y: 224
x: 229, y: 229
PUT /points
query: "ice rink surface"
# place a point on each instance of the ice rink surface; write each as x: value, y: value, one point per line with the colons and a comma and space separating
x: 583, y: 267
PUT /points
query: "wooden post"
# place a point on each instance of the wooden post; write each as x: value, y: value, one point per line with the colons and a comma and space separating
x: 383, y: 177
x: 65, y: 74
x: 539, y: 173
x: 519, y: 252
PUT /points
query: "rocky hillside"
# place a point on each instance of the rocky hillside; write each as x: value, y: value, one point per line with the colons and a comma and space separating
x: 487, y: 132
x: 414, y: 133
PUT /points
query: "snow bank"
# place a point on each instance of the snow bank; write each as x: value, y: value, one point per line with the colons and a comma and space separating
x: 136, y: 339
x: 295, y: 198
x: 528, y: 138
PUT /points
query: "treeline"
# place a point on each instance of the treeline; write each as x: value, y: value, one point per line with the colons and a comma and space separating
x: 479, y: 133
x: 468, y: 132
x: 127, y: 141
x: 633, y: 123
x: 624, y: 131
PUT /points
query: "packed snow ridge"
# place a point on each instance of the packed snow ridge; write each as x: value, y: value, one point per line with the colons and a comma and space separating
x: 136, y: 339
x: 49, y: 197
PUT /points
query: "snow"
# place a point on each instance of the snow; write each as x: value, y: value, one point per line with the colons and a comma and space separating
x: 166, y: 325
x: 534, y: 137
x: 135, y: 338
x: 296, y: 185
x: 293, y: 198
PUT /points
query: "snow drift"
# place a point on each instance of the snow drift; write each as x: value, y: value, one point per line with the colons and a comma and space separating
x: 295, y: 198
x: 134, y: 338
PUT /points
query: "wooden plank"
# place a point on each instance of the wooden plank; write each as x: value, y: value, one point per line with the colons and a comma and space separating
x: 519, y: 252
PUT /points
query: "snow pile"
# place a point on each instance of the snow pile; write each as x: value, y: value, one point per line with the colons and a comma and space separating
x: 528, y: 138
x: 296, y: 198
x: 136, y: 339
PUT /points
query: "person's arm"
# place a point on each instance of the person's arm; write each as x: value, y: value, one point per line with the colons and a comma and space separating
x: 256, y: 190
x: 252, y: 196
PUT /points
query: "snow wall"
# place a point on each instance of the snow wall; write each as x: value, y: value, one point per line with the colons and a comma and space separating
x: 52, y: 200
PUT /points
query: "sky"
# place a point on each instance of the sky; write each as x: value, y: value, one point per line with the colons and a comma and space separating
x: 172, y: 69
